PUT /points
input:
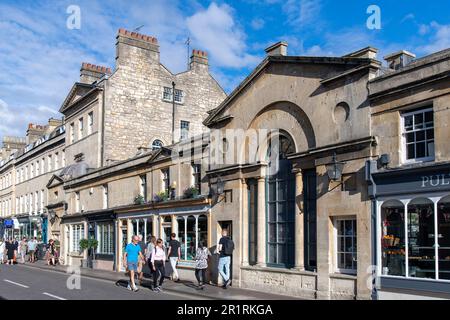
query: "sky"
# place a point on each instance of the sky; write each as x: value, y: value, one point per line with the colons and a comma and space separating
x: 40, y: 57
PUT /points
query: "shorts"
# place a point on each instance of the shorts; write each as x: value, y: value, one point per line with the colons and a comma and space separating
x: 132, y: 266
x: 31, y: 251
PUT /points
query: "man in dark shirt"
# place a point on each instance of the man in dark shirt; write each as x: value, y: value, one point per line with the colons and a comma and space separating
x: 224, y: 258
x: 174, y: 255
x: 141, y: 262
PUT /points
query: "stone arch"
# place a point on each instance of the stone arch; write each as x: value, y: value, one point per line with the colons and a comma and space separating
x: 284, y: 116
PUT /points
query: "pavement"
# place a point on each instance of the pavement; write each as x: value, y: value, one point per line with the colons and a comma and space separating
x: 41, y: 282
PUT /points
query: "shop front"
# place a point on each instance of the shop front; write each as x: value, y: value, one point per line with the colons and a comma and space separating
x: 101, y: 227
x: 189, y: 221
x: 413, y: 232
x: 29, y: 227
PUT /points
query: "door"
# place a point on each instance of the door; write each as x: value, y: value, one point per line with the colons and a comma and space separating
x: 229, y: 226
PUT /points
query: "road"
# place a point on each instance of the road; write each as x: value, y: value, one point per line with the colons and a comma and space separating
x: 24, y: 283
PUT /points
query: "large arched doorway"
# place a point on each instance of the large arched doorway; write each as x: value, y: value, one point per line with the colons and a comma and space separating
x: 280, y: 190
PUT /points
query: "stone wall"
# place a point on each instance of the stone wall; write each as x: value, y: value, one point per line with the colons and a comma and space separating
x: 135, y: 112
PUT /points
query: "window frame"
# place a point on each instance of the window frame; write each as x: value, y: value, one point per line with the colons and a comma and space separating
x: 336, y: 221
x: 184, y: 131
x: 403, y: 116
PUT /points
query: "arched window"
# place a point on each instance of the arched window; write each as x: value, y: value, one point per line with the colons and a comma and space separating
x: 393, y: 238
x: 157, y: 144
x: 280, y: 202
x: 421, y: 238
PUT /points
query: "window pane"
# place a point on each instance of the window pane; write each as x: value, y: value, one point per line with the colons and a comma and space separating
x: 418, y: 121
x: 429, y: 116
x: 444, y: 238
x: 281, y: 191
x: 421, y: 239
x: 420, y: 150
x: 190, y: 238
x: 393, y: 239
x: 410, y: 137
x: 272, y: 212
x: 410, y: 151
x: 272, y: 258
x: 272, y: 232
x: 182, y: 236
x: 430, y: 134
x: 430, y: 149
x: 408, y: 123
x: 420, y: 135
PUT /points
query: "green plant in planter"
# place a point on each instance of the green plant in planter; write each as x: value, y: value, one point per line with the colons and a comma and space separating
x: 84, y: 244
x: 191, y: 192
x: 90, y: 245
x: 161, y: 196
x: 139, y: 199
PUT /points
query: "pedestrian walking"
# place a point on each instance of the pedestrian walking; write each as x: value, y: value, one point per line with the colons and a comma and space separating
x: 141, y: 261
x: 2, y: 251
x: 23, y: 248
x: 51, y: 252
x: 10, y: 251
x: 148, y: 253
x: 201, y: 264
x: 131, y: 259
x: 158, y: 260
x: 32, y: 245
x: 174, y: 254
x: 225, y: 250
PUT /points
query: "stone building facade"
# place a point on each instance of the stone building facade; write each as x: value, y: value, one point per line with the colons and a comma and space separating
x: 409, y: 180
x: 26, y: 174
x: 287, y: 223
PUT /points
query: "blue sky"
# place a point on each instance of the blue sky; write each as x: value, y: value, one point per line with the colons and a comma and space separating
x: 40, y: 57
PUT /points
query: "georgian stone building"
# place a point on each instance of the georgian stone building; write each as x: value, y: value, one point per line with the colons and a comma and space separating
x: 409, y: 182
x: 296, y: 230
x: 25, y: 174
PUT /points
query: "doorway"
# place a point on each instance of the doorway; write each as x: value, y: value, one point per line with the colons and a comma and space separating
x: 228, y: 224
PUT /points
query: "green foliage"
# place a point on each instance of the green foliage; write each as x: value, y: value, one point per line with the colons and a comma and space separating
x: 139, y: 199
x: 191, y: 192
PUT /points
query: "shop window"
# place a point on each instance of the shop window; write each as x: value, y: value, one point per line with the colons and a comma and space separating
x: 418, y: 135
x: 393, y: 238
x: 191, y: 239
x: 421, y: 253
x: 444, y: 238
x: 202, y: 230
x: 346, y: 244
x: 182, y: 236
x: 76, y: 234
x: 105, y: 238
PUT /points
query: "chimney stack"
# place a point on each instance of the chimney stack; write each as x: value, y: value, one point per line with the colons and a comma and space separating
x: 399, y: 59
x: 277, y: 49
x: 34, y: 132
x: 127, y: 43
x: 89, y: 73
x: 199, y: 60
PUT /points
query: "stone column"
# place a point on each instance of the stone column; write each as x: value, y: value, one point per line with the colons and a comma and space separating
x: 261, y: 225
x: 299, y: 221
x: 244, y: 222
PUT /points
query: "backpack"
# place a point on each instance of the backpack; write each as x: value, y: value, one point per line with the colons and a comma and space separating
x: 228, y: 247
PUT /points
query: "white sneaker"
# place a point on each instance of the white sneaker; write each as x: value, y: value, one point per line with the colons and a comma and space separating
x: 129, y: 288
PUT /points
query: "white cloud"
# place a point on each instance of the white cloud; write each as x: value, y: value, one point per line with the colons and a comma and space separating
x: 257, y: 23
x: 301, y: 12
x: 439, y: 38
x: 215, y: 30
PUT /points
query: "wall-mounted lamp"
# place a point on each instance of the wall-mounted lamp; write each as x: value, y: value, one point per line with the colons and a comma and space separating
x: 335, y: 169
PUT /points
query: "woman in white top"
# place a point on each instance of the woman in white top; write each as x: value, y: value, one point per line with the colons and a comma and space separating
x: 2, y: 251
x: 158, y: 260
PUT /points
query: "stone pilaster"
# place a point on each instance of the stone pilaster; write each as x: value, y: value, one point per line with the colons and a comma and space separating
x: 299, y: 221
x: 261, y: 225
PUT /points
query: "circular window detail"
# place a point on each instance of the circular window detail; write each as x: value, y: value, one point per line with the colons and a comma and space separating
x: 341, y: 113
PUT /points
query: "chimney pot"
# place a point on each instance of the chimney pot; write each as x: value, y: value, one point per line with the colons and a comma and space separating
x: 277, y: 49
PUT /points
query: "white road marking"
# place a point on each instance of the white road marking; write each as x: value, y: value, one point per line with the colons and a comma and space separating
x: 53, y: 296
x: 17, y: 284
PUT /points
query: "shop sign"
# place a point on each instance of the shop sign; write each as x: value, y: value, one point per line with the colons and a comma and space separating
x: 9, y: 224
x: 412, y: 181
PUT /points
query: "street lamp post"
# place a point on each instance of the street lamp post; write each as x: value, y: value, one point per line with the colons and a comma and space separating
x: 335, y: 169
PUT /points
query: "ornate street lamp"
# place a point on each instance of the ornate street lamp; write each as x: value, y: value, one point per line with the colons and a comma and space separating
x: 335, y: 169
